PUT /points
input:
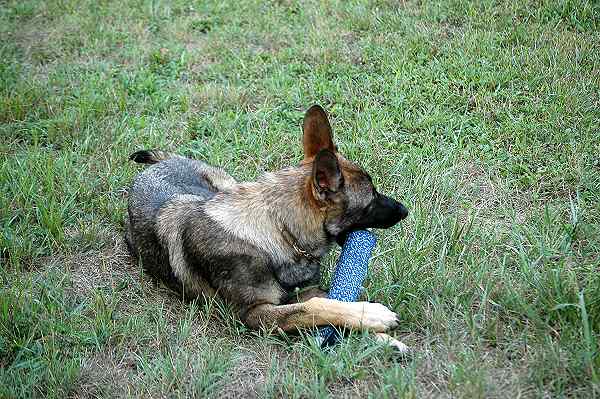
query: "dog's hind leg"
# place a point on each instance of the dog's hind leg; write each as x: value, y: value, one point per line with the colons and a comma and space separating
x: 319, y: 311
x: 129, y: 239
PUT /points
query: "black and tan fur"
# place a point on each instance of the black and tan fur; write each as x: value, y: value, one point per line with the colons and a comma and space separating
x: 200, y: 231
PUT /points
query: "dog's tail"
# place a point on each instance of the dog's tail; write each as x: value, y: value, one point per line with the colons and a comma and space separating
x: 151, y: 156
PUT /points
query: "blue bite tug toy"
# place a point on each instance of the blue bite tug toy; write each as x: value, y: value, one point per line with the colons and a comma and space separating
x: 348, y: 277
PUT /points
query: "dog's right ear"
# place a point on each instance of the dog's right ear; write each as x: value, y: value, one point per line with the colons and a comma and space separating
x: 327, y: 174
x: 317, y: 134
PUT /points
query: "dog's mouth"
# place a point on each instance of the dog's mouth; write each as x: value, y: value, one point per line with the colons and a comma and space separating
x: 341, y: 237
x: 376, y: 218
x: 382, y: 213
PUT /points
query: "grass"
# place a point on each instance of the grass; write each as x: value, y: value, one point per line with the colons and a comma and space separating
x: 483, y: 117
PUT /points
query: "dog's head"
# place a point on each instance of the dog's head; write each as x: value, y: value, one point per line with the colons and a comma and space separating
x: 341, y: 188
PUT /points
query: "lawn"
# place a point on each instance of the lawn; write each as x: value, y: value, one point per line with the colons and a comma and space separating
x: 482, y: 117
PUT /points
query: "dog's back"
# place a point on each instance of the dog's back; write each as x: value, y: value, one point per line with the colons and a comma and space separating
x: 166, y: 180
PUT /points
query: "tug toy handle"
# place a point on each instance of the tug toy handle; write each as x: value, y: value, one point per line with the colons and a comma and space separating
x: 349, y: 275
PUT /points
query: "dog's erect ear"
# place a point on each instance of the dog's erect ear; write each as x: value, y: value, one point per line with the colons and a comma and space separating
x: 326, y: 173
x: 317, y: 132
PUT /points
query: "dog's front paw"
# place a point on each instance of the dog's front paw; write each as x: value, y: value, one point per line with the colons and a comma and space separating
x: 398, y: 346
x: 377, y: 317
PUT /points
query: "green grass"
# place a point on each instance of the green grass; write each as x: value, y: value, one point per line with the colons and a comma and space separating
x: 482, y: 117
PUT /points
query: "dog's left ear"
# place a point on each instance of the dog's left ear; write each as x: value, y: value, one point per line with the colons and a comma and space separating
x: 317, y: 132
x: 327, y: 175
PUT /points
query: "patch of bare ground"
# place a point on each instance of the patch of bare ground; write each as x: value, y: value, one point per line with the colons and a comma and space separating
x: 354, y: 388
x: 246, y: 379
x: 454, y: 367
x: 211, y: 96
x: 106, y: 268
x: 250, y: 372
x: 110, y: 272
x: 488, y: 201
x: 36, y: 45
x: 106, y: 374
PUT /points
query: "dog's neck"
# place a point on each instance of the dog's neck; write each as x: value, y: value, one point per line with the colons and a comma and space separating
x: 274, y: 202
x: 287, y: 195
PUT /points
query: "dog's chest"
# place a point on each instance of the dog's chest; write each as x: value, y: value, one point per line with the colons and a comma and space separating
x: 297, y: 274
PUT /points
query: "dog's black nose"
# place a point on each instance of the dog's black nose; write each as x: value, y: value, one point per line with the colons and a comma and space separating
x: 384, y: 212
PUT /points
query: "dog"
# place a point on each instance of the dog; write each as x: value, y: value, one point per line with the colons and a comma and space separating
x: 255, y: 244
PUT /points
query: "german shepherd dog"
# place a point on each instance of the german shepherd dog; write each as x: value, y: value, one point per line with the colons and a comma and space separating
x: 202, y: 233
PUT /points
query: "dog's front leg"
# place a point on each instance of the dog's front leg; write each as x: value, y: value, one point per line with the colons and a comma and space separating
x: 322, y: 311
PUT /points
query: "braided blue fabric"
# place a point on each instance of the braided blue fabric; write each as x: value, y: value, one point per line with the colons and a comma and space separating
x: 349, y: 274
